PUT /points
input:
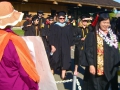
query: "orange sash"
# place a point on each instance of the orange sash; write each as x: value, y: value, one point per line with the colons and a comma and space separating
x: 100, y: 56
x: 22, y: 51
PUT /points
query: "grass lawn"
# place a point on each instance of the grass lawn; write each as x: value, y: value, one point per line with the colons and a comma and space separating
x: 19, y: 32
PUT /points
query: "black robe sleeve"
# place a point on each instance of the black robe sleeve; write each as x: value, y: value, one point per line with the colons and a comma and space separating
x: 44, y: 31
x: 51, y: 34
x: 71, y: 35
x: 90, y: 47
x: 90, y: 28
x: 25, y: 25
x: 117, y: 57
x: 116, y: 61
x: 77, y: 35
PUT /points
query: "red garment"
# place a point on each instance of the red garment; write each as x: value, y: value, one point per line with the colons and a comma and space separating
x: 47, y: 23
x: 95, y: 21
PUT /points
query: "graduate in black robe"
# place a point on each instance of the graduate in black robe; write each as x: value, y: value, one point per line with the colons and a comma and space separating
x: 80, y: 35
x: 33, y: 29
x: 103, y: 57
x: 45, y: 34
x: 27, y: 24
x: 71, y: 22
x: 41, y: 21
x: 61, y: 42
x: 45, y: 30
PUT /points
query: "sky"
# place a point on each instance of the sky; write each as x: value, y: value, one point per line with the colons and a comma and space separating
x: 117, y: 0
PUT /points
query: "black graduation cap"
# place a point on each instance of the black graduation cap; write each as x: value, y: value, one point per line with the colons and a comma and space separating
x: 39, y: 12
x: 104, y: 14
x: 34, y: 17
x: 51, y: 17
x: 61, y: 13
x: 56, y: 13
x: 84, y: 16
x: 29, y: 15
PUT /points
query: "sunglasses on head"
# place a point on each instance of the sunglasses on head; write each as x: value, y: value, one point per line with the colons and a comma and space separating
x: 85, y: 20
x: 62, y: 18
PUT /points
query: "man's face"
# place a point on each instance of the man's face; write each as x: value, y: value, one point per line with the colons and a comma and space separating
x: 61, y: 19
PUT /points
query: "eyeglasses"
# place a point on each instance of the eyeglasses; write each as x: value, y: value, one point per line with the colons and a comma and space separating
x: 62, y: 18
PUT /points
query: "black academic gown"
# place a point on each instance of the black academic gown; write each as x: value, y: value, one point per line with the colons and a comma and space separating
x: 61, y: 38
x: 25, y: 27
x: 111, y: 62
x: 44, y: 34
x: 79, y: 55
x: 30, y: 31
x: 74, y: 30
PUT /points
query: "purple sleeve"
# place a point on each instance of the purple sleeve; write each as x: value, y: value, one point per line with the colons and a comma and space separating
x: 30, y: 83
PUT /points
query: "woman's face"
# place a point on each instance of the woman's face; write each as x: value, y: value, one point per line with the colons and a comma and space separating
x: 84, y: 22
x: 36, y: 21
x: 61, y: 19
x: 104, y: 25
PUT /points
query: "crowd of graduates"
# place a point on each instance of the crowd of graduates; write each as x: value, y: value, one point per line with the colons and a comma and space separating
x: 95, y: 40
x: 59, y: 33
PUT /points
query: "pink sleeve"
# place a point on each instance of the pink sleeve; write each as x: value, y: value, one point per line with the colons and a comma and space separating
x: 30, y: 83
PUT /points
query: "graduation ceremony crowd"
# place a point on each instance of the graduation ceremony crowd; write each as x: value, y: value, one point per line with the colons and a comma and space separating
x: 96, y: 45
x: 95, y: 40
